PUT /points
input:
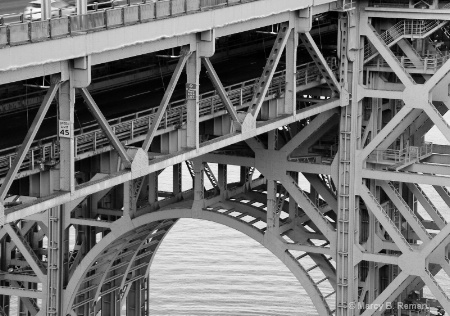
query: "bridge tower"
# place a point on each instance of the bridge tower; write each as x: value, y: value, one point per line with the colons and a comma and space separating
x: 336, y: 177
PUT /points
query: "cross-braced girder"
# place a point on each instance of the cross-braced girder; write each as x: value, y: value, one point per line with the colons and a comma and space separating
x: 349, y: 188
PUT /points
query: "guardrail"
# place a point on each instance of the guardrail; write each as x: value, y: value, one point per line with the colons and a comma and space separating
x: 91, y: 138
x: 430, y: 63
x: 398, y: 30
x: 27, y: 32
x: 405, y: 155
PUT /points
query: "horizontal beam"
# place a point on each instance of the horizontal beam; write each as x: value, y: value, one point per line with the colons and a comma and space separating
x: 229, y: 160
x: 162, y: 162
x: 315, y: 168
x: 11, y: 291
x: 309, y: 249
x: 406, y: 13
x: 405, y: 177
x: 378, y: 257
x: 123, y: 38
x: 90, y: 222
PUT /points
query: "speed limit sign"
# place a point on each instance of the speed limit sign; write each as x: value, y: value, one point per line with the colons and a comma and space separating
x: 64, y: 129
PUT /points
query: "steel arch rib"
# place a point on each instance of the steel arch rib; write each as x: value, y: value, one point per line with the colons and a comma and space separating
x: 323, y: 263
x: 252, y: 232
x: 152, y: 256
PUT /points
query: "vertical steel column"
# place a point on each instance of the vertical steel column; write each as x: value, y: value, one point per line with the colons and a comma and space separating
x: 4, y: 299
x: 193, y: 73
x: 66, y: 105
x: 198, y: 180
x: 177, y: 179
x: 56, y: 234
x: 291, y: 72
x: 153, y: 188
x: 222, y: 177
x: 347, y: 219
x: 271, y: 205
x: 55, y: 267
x: 272, y: 190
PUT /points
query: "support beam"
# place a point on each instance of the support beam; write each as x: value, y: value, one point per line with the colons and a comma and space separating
x: 438, y: 120
x: 185, y: 53
x: 399, y: 129
x: 405, y: 210
x: 321, y: 63
x: 373, y: 205
x: 23, y: 150
x: 220, y: 89
x: 427, y: 204
x: 26, y: 251
x: 192, y: 103
x: 308, y: 130
x: 66, y: 106
x: 309, y: 207
x: 390, y: 293
x: 101, y: 120
x: 431, y: 83
x: 323, y: 190
x: 290, y: 94
x: 396, y: 120
x: 269, y: 70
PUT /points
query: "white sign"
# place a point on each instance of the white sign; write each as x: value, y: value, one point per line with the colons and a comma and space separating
x: 64, y: 129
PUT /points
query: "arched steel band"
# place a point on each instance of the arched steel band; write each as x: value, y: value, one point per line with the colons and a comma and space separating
x: 323, y: 263
x: 128, y: 228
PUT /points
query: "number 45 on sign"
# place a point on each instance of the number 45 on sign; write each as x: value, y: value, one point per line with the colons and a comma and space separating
x: 64, y: 129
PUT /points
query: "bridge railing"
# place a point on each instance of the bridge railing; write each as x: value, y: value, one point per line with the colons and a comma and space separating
x: 91, y: 138
x: 405, y: 155
x: 35, y: 31
x: 429, y: 62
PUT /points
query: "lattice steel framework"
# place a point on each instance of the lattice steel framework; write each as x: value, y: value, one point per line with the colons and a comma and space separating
x: 351, y: 126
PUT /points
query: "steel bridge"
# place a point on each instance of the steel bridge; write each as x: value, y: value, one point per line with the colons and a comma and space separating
x: 81, y: 212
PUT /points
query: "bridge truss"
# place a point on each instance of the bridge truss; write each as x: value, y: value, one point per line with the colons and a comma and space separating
x: 352, y: 125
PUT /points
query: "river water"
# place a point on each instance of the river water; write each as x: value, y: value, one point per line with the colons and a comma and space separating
x: 204, y: 268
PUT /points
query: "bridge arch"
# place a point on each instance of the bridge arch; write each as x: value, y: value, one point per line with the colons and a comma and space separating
x: 138, y: 231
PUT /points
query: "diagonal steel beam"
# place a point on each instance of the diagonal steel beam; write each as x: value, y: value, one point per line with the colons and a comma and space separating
x: 394, y: 122
x: 399, y: 129
x: 32, y: 307
x: 443, y: 237
x: 321, y: 63
x: 427, y: 204
x: 219, y: 87
x: 374, y: 206
x: 438, y: 76
x: 309, y: 208
x: 387, y: 54
x: 166, y: 98
x: 436, y: 290
x: 255, y: 144
x: 323, y: 190
x: 390, y: 293
x: 405, y: 210
x: 26, y: 251
x: 115, y: 142
x: 23, y: 150
x: 438, y: 120
x: 308, y: 130
x: 271, y: 65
